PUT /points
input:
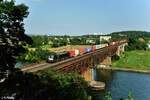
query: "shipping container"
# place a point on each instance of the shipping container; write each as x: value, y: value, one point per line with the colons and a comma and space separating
x: 81, y: 51
x: 76, y: 52
x: 71, y: 53
x: 104, y: 45
x: 98, y: 46
x: 101, y: 46
x: 63, y: 55
x: 93, y: 48
x: 88, y: 50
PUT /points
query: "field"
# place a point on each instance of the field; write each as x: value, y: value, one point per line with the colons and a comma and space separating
x: 68, y: 48
x: 134, y: 60
x: 65, y: 48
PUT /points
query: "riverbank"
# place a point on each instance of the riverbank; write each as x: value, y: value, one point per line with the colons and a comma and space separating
x: 126, y: 70
x: 137, y: 61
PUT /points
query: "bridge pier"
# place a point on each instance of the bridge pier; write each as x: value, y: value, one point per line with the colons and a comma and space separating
x: 88, y: 74
x: 106, y: 62
x: 121, y: 49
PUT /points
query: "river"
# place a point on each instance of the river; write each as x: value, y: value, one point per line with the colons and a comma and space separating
x: 119, y: 84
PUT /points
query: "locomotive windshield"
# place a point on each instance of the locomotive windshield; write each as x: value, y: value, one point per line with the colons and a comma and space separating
x: 51, y: 56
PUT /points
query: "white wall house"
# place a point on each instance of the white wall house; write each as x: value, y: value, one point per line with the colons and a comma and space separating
x: 105, y: 38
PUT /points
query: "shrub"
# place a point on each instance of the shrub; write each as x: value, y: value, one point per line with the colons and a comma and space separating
x: 34, y: 56
x: 45, y: 86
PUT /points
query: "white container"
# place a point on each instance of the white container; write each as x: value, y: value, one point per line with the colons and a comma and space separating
x: 98, y: 46
x: 101, y: 46
x: 104, y: 45
x: 76, y: 52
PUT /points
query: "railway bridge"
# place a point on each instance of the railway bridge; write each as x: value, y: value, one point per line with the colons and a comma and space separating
x: 84, y: 63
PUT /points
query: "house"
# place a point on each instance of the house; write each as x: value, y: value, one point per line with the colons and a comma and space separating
x: 105, y: 37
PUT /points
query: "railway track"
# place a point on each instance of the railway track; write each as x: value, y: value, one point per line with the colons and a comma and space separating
x: 45, y: 65
x: 31, y: 67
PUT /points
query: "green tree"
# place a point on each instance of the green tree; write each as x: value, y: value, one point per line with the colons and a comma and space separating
x: 12, y: 34
x: 39, y: 40
x: 135, y: 44
x: 47, y: 85
x: 129, y: 34
x: 133, y: 37
x: 56, y: 43
x: 35, y: 56
x: 75, y: 41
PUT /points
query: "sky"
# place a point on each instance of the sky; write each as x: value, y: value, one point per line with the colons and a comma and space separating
x: 79, y: 17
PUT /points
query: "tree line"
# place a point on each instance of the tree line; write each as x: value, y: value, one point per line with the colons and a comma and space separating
x: 137, y: 40
x: 57, y: 41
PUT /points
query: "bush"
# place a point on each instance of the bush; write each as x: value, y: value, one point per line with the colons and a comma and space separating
x: 34, y: 56
x: 45, y: 86
x: 68, y: 86
x: 135, y: 44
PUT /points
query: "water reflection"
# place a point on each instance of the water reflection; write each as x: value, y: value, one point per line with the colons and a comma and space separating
x: 18, y: 65
x: 103, y: 75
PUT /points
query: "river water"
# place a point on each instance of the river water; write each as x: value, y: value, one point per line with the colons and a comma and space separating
x: 119, y: 84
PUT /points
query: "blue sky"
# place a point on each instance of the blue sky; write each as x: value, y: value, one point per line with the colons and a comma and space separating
x: 78, y: 17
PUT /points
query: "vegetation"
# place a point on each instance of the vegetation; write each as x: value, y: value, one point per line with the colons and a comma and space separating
x: 137, y: 59
x: 137, y: 40
x: 59, y: 42
x: 39, y: 40
x: 130, y: 96
x: 108, y: 96
x: 12, y: 37
x: 136, y: 44
x: 49, y: 41
x: 34, y: 56
x: 44, y: 86
x: 129, y: 34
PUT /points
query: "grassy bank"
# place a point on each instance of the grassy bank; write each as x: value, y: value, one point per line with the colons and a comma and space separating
x: 138, y: 60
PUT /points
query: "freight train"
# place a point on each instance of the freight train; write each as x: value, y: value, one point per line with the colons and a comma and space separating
x: 80, y: 51
x: 72, y: 53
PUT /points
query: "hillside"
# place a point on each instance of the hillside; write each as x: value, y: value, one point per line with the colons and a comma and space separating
x: 129, y: 34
